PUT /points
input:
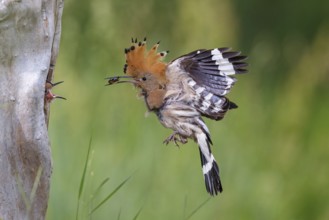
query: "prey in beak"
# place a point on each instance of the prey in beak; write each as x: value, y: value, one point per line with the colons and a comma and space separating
x: 119, y: 79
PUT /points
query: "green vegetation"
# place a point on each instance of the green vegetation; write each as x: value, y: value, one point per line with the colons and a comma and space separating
x: 89, y: 204
x: 272, y: 151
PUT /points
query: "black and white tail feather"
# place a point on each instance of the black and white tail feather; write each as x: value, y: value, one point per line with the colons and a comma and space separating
x: 209, y: 165
x: 210, y: 77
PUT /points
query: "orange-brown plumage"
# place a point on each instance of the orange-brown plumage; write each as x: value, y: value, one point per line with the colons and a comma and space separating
x: 148, y: 72
x: 140, y: 61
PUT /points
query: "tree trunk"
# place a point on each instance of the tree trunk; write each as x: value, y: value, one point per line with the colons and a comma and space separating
x: 29, y: 43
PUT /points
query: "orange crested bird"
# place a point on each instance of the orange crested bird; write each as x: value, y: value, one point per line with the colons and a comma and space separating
x: 184, y: 90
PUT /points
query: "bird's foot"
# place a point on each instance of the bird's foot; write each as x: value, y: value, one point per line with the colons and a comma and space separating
x: 175, y: 137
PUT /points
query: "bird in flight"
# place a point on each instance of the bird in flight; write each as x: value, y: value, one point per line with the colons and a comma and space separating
x: 184, y: 90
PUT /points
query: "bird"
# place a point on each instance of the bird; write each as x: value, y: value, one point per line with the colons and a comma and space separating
x: 184, y: 91
x: 49, y: 96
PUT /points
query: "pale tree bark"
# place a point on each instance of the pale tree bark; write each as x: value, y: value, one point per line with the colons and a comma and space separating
x: 29, y: 43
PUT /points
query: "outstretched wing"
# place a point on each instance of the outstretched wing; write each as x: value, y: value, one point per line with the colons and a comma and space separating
x: 211, y: 77
x: 213, y: 69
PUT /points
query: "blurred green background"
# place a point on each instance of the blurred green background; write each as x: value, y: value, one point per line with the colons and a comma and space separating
x: 273, y: 150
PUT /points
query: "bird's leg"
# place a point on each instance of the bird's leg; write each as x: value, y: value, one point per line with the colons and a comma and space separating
x: 175, y: 137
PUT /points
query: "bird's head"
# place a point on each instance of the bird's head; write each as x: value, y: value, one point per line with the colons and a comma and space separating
x: 144, y: 68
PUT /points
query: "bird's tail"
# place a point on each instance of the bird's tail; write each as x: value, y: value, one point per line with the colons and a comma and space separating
x: 209, y: 166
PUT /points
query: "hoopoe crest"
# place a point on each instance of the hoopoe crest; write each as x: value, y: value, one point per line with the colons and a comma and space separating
x: 139, y: 61
x: 147, y: 70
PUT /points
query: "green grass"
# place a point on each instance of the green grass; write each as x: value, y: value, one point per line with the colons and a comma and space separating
x: 189, y: 216
x: 83, y: 178
x: 90, y: 202
x: 109, y: 196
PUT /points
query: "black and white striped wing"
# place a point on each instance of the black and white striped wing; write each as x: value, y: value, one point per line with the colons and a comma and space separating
x: 213, y: 69
x: 211, y: 77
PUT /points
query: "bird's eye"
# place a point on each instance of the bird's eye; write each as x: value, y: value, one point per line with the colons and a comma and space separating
x: 144, y: 78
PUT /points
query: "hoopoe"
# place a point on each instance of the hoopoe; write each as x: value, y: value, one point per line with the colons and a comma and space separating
x: 184, y: 90
x: 49, y: 96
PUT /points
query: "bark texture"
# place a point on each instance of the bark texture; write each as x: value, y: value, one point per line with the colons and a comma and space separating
x: 29, y: 43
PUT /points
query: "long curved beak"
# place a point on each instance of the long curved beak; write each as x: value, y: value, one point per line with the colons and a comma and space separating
x: 55, y: 84
x: 50, y: 84
x: 116, y: 80
x: 59, y: 97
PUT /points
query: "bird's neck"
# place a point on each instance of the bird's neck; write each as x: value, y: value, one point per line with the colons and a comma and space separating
x: 154, y: 98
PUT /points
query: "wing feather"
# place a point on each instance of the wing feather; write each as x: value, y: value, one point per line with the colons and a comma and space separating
x: 211, y: 74
x: 213, y: 69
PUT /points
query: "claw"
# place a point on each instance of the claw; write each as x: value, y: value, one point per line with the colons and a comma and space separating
x: 175, y: 137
